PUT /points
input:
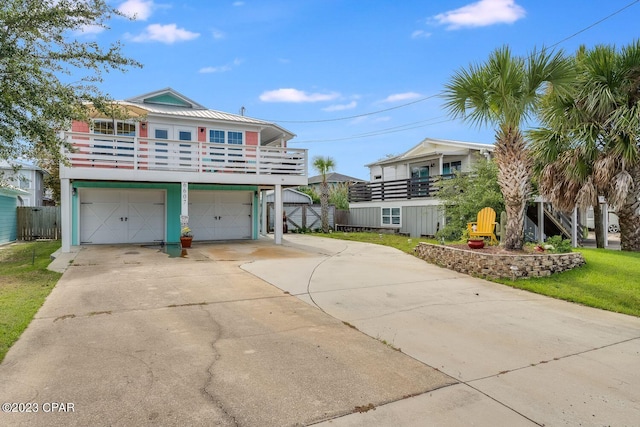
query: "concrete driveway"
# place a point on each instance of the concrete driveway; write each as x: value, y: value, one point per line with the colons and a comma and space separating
x: 134, y: 336
x: 520, y: 358
x: 252, y: 334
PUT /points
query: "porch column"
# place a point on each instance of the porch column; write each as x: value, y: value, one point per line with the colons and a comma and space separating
x: 184, y: 204
x: 66, y: 200
x: 574, y: 227
x: 540, y: 221
x: 442, y: 165
x: 277, y: 217
x: 264, y: 227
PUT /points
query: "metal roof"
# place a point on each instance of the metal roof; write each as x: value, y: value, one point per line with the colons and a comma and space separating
x: 271, y: 131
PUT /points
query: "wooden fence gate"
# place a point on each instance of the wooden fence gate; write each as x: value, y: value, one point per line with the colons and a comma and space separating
x: 41, y: 222
x: 301, y: 216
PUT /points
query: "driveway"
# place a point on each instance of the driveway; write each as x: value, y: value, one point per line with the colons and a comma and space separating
x: 253, y: 334
x: 519, y: 358
x: 135, y: 336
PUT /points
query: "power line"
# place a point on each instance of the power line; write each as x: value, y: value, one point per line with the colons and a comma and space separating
x: 395, y: 129
x: 358, y: 115
x: 611, y: 15
x: 405, y: 127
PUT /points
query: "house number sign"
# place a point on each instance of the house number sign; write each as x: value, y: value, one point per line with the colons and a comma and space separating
x: 184, y: 210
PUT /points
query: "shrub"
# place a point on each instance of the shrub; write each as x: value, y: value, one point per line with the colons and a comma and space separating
x: 558, y: 245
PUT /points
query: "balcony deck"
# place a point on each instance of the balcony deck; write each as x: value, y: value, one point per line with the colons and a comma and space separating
x: 145, y: 158
x: 400, y: 189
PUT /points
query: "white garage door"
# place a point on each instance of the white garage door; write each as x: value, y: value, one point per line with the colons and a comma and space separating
x: 122, y: 216
x: 220, y: 215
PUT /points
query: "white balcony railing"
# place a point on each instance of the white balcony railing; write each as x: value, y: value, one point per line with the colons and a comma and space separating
x: 122, y: 152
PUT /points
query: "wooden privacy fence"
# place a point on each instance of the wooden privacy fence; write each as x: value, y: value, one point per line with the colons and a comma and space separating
x: 42, y: 222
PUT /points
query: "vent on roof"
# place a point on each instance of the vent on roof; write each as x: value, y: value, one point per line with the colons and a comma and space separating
x: 167, y: 99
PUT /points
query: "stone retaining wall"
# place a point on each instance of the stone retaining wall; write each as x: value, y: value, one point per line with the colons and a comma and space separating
x: 481, y: 264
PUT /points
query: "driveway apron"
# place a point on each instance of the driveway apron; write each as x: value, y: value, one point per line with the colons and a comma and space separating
x: 137, y: 336
x: 520, y: 358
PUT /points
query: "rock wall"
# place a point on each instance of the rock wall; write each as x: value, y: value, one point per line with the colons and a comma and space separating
x: 507, y: 266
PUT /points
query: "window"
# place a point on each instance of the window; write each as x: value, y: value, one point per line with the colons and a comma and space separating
x: 390, y: 216
x: 216, y: 136
x: 25, y: 183
x: 162, y: 134
x: 184, y: 135
x: 234, y: 137
x: 449, y: 168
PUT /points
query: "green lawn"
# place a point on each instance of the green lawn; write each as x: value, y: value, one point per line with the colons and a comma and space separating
x: 610, y: 280
x: 25, y: 282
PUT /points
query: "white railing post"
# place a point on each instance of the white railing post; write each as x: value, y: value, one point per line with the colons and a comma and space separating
x: 135, y: 153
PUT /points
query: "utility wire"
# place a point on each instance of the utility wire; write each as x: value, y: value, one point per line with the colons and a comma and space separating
x: 358, y: 115
x: 399, y: 128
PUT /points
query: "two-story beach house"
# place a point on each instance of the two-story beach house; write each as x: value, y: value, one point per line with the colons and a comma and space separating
x: 172, y: 163
x: 402, y: 189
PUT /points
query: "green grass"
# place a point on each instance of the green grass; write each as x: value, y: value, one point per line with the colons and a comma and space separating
x: 610, y: 280
x: 25, y: 282
x: 404, y: 243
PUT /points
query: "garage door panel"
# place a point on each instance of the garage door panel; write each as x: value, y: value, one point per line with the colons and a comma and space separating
x: 220, y: 215
x: 122, y: 216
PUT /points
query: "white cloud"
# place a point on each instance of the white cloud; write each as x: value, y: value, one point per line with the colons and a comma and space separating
x: 295, y: 95
x: 341, y: 107
x: 406, y: 96
x: 420, y: 34
x: 169, y: 34
x: 140, y: 10
x: 221, y: 68
x: 481, y: 13
x: 238, y: 3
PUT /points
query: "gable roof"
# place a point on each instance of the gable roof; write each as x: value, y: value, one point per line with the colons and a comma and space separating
x: 334, y: 177
x: 432, y: 147
x: 166, y: 96
x: 169, y: 102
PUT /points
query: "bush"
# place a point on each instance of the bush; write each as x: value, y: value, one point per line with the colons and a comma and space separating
x: 465, y: 195
x: 558, y: 245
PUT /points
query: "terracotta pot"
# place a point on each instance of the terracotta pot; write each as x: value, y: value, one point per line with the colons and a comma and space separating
x: 185, y: 242
x: 475, y: 244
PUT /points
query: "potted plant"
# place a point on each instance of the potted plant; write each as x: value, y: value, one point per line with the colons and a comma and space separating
x: 186, y: 237
x: 475, y: 243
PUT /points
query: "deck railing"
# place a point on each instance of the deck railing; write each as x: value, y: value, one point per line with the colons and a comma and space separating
x: 400, y: 189
x: 123, y: 152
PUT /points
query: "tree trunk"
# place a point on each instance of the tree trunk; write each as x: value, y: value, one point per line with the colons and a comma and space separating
x: 324, y: 207
x: 598, y: 225
x: 514, y: 177
x: 629, y: 216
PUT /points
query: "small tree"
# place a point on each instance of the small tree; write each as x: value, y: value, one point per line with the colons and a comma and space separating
x: 323, y: 165
x: 37, y: 50
x: 465, y: 194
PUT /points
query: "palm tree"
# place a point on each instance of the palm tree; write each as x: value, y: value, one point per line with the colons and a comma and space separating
x: 589, y: 139
x: 505, y: 92
x: 324, y: 165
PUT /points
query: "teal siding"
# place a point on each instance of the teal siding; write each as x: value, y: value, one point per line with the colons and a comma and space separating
x: 8, y: 219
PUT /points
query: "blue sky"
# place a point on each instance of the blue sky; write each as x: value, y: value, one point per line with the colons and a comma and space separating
x: 355, y: 80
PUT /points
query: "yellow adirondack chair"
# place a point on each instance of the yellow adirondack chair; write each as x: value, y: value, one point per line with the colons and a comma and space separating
x: 484, y: 226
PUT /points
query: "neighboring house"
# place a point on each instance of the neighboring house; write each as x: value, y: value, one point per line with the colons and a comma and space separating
x: 402, y: 189
x: 25, y: 176
x: 174, y: 163
x: 10, y: 199
x: 333, y: 179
